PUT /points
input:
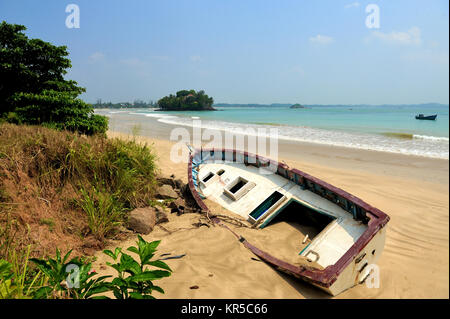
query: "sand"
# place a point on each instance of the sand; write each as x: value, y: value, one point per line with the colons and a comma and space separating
x: 413, y: 190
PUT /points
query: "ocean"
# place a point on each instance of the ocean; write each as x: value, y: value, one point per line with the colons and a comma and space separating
x: 379, y: 128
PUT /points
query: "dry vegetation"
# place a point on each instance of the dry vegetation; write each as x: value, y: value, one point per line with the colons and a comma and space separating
x: 60, y: 189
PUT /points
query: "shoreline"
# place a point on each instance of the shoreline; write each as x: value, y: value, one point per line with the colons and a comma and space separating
x: 417, y: 142
x: 377, y: 162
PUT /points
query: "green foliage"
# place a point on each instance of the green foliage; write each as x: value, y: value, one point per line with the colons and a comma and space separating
x: 103, y: 210
x: 68, y: 279
x: 33, y: 89
x: 61, y: 278
x: 187, y: 100
x: 59, y: 110
x: 16, y: 281
x: 134, y: 280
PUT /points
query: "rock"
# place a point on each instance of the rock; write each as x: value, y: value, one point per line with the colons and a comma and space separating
x: 166, y: 192
x: 142, y: 220
x: 177, y: 203
x: 166, y: 181
x: 177, y: 206
x: 161, y: 216
x: 178, y: 183
x: 194, y: 287
x: 172, y: 181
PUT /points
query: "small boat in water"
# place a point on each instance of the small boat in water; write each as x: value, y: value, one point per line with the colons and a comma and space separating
x: 335, y: 238
x: 429, y: 117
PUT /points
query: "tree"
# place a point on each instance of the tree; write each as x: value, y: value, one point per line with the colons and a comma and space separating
x: 33, y: 89
x: 187, y: 100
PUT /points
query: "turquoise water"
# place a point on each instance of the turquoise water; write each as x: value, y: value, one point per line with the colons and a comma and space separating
x: 380, y: 128
x: 367, y: 119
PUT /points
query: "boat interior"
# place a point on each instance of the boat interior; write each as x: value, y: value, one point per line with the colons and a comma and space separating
x: 299, y: 223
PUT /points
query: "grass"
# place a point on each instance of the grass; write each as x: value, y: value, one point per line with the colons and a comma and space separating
x: 103, y: 211
x: 22, y: 280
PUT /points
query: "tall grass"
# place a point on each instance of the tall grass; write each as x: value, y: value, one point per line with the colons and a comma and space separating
x: 103, y: 211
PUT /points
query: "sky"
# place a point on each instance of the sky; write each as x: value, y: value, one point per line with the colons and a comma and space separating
x: 250, y: 51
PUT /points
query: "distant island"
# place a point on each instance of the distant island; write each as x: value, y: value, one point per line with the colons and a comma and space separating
x: 186, y: 100
x: 297, y: 106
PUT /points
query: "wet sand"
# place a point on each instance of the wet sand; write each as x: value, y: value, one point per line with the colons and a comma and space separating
x: 413, y: 190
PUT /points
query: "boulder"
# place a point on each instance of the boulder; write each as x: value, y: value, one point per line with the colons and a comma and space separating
x: 142, y: 220
x: 161, y: 216
x: 172, y: 181
x: 166, y: 192
x: 165, y: 181
x: 177, y: 206
x: 178, y: 183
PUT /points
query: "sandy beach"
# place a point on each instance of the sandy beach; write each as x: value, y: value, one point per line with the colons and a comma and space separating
x: 412, y: 190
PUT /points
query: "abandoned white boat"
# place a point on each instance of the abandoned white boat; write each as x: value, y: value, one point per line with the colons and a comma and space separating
x: 337, y: 235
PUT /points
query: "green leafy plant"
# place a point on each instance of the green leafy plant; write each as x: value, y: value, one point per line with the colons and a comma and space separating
x: 16, y: 281
x: 6, y: 275
x: 134, y: 279
x: 69, y: 279
x: 61, y: 278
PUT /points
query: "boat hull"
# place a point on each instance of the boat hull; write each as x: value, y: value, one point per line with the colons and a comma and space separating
x: 353, y: 266
x: 430, y: 118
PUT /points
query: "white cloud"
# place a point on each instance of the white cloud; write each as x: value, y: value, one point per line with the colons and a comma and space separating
x: 352, y: 5
x: 97, y: 56
x: 410, y: 37
x: 321, y: 39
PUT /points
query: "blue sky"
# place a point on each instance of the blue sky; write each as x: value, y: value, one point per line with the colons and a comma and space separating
x: 250, y: 51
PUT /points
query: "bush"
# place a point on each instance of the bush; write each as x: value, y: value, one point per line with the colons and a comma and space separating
x: 58, y: 110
